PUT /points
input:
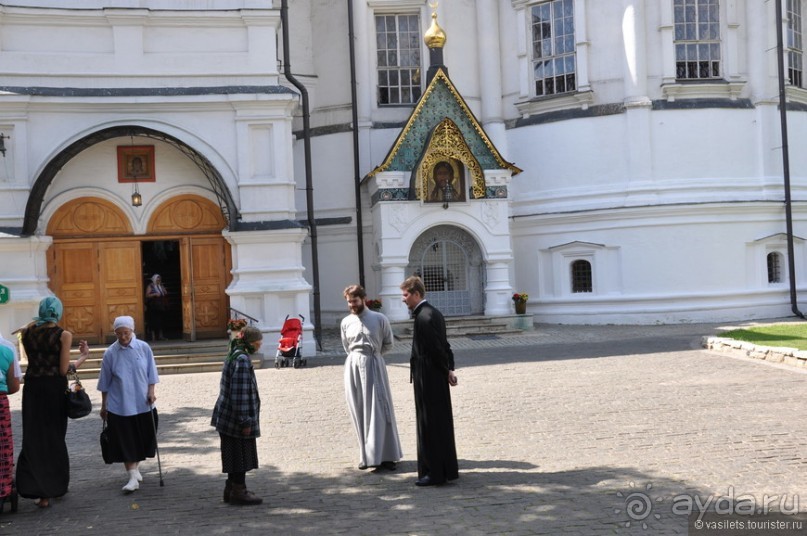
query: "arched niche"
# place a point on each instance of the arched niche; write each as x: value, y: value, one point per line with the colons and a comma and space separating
x: 88, y: 216
x: 187, y: 214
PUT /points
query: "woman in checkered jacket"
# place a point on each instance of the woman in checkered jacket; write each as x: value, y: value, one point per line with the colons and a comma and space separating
x: 236, y: 417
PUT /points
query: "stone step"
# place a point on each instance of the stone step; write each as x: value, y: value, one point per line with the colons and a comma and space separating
x: 173, y: 357
x: 472, y: 326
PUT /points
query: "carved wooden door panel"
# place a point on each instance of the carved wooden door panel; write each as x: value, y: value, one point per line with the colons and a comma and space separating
x: 119, y: 264
x: 74, y: 279
x: 205, y: 273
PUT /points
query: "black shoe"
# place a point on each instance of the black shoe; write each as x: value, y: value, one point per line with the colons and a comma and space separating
x: 389, y: 466
x: 427, y: 481
x: 362, y: 467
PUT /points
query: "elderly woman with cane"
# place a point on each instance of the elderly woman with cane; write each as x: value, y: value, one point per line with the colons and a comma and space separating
x: 127, y: 379
x: 237, y: 417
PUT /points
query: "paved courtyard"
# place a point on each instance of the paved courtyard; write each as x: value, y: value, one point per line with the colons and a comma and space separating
x: 566, y: 430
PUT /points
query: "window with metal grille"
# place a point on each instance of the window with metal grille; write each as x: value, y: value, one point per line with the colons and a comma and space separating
x: 553, y: 48
x: 398, y: 56
x: 795, y: 49
x: 581, y: 277
x: 697, y: 39
x: 774, y: 267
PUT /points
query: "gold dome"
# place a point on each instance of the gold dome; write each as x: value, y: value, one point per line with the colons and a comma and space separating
x: 435, y: 37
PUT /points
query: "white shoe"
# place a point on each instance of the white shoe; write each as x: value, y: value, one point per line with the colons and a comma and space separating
x: 137, y: 475
x: 133, y: 484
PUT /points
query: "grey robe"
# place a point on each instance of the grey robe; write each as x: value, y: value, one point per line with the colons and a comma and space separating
x: 366, y: 337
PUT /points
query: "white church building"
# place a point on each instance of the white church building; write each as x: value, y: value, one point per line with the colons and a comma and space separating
x: 619, y: 161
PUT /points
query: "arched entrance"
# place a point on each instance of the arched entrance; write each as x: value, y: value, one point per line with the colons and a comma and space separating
x: 96, y: 265
x: 450, y: 263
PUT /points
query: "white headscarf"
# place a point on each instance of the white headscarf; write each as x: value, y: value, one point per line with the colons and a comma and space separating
x: 124, y: 322
x: 13, y: 347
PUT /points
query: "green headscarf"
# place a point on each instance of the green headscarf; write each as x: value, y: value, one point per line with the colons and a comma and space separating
x: 50, y: 310
x: 243, y: 344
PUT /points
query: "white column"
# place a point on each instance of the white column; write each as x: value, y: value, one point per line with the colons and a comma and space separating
x: 393, y: 273
x: 364, y: 29
x: 268, y: 281
x: 634, y: 42
x: 637, y: 103
x: 25, y: 273
x: 498, y: 291
x: 490, y: 72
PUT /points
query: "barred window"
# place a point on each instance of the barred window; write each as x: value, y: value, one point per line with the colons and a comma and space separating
x: 581, y: 276
x: 398, y: 56
x: 697, y: 39
x: 774, y: 267
x: 795, y: 49
x: 553, y: 49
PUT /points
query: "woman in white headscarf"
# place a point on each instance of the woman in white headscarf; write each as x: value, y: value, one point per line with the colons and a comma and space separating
x: 127, y: 379
x: 156, y: 306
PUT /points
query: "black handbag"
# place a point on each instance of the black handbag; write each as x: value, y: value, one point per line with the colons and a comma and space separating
x: 78, y: 401
x: 105, y: 446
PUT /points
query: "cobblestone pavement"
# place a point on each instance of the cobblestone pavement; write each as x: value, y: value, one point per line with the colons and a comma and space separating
x: 559, y: 431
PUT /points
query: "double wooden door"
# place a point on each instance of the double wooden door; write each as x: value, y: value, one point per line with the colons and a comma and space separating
x: 98, y: 280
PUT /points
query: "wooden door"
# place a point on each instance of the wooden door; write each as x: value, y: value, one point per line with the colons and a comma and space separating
x: 74, y: 278
x: 205, y: 271
x: 119, y: 267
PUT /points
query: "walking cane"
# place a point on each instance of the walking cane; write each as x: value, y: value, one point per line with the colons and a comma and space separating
x: 157, y: 447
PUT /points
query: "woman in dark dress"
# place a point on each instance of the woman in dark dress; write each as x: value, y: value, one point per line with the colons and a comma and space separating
x: 156, y: 306
x: 43, y: 468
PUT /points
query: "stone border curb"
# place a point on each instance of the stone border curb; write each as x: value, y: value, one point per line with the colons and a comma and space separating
x: 785, y: 356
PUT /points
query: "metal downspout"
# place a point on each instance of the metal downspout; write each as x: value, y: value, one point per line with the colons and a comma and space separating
x: 309, y: 186
x: 355, y: 117
x: 791, y: 263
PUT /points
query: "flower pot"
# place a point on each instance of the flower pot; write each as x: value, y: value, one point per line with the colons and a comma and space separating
x: 521, y: 307
x: 235, y: 333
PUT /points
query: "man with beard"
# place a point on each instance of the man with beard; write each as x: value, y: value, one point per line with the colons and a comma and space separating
x: 432, y: 372
x: 366, y: 335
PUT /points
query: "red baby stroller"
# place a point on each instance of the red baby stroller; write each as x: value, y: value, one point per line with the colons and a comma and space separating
x: 289, y: 347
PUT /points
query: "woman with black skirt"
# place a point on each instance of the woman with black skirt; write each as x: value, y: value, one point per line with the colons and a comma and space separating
x: 236, y: 417
x: 127, y: 379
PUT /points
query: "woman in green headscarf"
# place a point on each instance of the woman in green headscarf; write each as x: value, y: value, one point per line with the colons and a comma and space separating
x: 43, y: 468
x: 237, y: 417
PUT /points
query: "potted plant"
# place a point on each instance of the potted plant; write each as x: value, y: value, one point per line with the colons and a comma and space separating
x: 520, y: 301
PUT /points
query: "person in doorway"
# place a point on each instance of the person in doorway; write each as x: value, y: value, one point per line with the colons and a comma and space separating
x: 366, y: 336
x: 432, y: 373
x: 237, y: 417
x: 156, y: 306
x: 43, y: 466
x: 127, y: 381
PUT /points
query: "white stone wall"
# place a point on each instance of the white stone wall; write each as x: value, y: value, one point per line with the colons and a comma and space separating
x: 151, y: 64
x: 678, y: 202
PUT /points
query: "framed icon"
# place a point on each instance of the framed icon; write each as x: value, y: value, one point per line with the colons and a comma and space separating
x: 136, y: 163
x: 446, y: 182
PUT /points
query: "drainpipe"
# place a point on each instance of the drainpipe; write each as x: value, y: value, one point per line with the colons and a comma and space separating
x: 791, y: 263
x: 355, y: 110
x: 309, y: 186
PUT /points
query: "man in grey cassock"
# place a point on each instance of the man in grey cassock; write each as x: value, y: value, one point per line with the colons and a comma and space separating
x: 366, y: 335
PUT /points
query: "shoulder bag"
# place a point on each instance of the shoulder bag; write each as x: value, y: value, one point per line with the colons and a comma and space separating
x: 78, y: 401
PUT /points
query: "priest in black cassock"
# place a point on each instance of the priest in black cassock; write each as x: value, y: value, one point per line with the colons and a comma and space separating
x: 432, y: 373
